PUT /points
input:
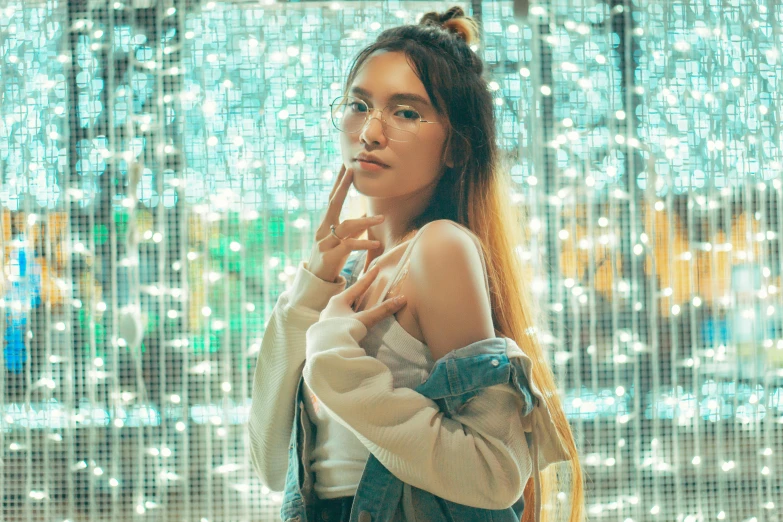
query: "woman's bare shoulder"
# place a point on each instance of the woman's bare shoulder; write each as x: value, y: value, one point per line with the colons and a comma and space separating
x: 452, y: 304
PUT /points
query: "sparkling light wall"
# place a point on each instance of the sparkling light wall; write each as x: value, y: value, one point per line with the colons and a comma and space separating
x: 162, y: 165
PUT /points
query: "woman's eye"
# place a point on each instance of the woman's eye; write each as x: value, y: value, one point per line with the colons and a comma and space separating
x: 407, y: 114
x: 357, y: 107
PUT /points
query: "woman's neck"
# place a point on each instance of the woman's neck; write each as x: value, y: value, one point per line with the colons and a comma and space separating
x: 377, y: 256
x: 398, y: 213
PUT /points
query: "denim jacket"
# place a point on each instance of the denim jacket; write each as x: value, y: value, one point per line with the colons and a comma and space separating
x: 455, y: 379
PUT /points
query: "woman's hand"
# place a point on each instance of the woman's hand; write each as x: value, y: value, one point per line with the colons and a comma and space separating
x: 342, y: 304
x: 329, y: 253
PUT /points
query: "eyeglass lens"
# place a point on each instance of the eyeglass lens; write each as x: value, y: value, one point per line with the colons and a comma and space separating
x: 400, y: 122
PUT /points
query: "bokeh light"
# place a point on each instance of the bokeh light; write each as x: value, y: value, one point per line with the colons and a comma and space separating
x: 163, y: 166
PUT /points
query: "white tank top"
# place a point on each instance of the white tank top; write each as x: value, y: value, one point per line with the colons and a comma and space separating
x: 339, y: 457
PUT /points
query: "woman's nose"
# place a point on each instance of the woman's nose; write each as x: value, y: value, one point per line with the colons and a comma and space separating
x: 372, y: 133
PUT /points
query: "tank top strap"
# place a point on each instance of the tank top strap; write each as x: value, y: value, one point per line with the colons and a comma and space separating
x: 408, y: 249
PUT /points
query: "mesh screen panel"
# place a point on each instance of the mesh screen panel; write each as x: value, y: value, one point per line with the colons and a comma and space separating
x: 164, y: 163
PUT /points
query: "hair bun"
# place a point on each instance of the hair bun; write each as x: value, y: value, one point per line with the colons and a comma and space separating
x: 454, y: 21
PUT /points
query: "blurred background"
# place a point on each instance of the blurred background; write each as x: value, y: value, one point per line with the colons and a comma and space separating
x: 164, y: 163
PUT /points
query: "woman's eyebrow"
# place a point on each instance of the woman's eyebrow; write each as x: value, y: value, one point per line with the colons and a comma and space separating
x: 400, y: 96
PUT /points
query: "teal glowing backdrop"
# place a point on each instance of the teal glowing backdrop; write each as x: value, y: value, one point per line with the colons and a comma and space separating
x: 163, y: 165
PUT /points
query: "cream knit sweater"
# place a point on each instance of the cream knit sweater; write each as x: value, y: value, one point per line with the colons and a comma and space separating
x: 479, y: 458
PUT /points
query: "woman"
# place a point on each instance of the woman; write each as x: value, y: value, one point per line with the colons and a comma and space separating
x: 422, y: 406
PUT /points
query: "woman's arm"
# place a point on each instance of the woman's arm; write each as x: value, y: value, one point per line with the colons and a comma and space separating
x: 278, y: 371
x: 451, y: 296
x: 478, y: 458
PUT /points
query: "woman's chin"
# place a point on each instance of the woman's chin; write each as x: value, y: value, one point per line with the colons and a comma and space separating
x: 370, y: 187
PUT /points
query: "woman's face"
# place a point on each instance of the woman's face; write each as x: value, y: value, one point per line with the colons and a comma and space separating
x: 385, y: 79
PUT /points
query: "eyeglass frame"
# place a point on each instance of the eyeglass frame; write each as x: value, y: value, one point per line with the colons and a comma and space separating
x: 370, y: 116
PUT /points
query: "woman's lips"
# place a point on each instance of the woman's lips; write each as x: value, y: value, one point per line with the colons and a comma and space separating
x: 370, y: 166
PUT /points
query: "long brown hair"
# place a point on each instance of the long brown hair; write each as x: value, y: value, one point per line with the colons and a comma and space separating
x: 475, y: 193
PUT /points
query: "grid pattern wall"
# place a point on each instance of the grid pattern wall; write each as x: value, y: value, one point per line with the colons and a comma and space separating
x: 163, y: 164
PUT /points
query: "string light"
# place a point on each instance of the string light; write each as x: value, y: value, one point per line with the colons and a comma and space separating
x: 655, y: 210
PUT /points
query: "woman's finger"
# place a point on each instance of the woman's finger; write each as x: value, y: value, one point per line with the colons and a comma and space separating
x: 354, y: 227
x: 389, y: 307
x: 351, y: 244
x: 356, y: 290
x: 336, y: 202
x: 337, y: 182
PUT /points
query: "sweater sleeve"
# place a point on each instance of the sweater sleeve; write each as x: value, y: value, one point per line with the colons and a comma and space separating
x: 278, y: 370
x: 478, y: 458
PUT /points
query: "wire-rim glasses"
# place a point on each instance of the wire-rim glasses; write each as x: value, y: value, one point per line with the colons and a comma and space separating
x: 349, y: 114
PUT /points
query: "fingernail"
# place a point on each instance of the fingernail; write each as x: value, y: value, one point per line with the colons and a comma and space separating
x: 399, y: 299
x: 379, y: 217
